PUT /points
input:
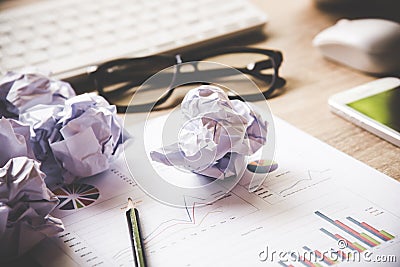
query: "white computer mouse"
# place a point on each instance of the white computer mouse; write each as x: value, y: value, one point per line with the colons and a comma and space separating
x: 369, y: 45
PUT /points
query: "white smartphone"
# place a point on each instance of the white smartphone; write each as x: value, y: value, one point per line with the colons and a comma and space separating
x: 374, y: 106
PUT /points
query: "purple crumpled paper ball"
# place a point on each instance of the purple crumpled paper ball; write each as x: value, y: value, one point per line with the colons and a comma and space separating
x: 25, y: 205
x: 75, y: 140
x: 20, y: 91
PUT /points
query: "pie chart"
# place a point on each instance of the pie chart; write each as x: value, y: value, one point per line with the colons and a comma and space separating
x: 76, y: 196
x: 262, y: 166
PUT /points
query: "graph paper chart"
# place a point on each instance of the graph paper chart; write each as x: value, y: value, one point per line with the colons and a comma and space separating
x: 315, y: 205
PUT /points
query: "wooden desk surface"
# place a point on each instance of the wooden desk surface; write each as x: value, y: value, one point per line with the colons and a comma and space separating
x: 311, y: 80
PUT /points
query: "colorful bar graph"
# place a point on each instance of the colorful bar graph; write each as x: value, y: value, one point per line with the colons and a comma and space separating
x: 384, y: 236
x: 363, y: 237
x: 370, y: 238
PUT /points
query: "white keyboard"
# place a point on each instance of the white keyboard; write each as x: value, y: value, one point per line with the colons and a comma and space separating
x: 67, y: 36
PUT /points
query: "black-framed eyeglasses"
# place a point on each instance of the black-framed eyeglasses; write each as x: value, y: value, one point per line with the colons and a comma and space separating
x: 121, y: 77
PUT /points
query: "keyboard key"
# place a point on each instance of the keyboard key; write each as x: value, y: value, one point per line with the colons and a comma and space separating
x: 83, y: 45
x: 14, y: 50
x: 4, y: 40
x: 13, y: 63
x: 83, y: 33
x: 46, y: 30
x: 56, y: 52
x: 5, y: 29
x: 61, y: 38
x: 37, y: 57
x: 26, y: 22
x: 68, y: 25
x: 38, y: 44
x: 104, y: 40
x: 106, y: 26
x: 49, y: 17
x: 23, y: 35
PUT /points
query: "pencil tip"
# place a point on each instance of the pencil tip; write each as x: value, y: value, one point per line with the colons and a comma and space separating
x: 130, y: 203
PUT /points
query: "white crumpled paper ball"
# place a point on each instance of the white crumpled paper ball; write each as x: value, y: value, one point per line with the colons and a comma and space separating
x: 20, y: 91
x: 25, y: 204
x: 217, y: 135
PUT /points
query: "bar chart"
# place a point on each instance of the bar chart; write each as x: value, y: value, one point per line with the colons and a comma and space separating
x: 351, y: 237
x: 367, y: 241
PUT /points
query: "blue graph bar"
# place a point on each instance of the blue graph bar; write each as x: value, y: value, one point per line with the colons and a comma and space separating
x: 283, y: 264
x: 324, y: 217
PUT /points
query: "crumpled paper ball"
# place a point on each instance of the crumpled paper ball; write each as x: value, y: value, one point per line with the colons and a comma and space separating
x: 87, y: 137
x: 42, y: 120
x: 14, y: 140
x: 217, y: 135
x: 21, y: 91
x: 77, y: 139
x: 25, y: 204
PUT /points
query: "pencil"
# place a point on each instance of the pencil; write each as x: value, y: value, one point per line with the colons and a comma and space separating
x: 132, y: 216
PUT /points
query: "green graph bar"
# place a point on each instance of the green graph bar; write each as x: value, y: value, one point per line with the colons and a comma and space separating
x: 383, y: 232
x: 359, y: 246
x: 317, y: 264
x: 370, y: 238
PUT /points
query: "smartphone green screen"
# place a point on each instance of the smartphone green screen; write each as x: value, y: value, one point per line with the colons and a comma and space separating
x: 383, y: 107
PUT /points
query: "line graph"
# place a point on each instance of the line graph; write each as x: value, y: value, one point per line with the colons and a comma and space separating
x: 192, y: 225
x: 162, y: 227
x: 193, y: 220
x: 309, y: 178
x: 285, y: 183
